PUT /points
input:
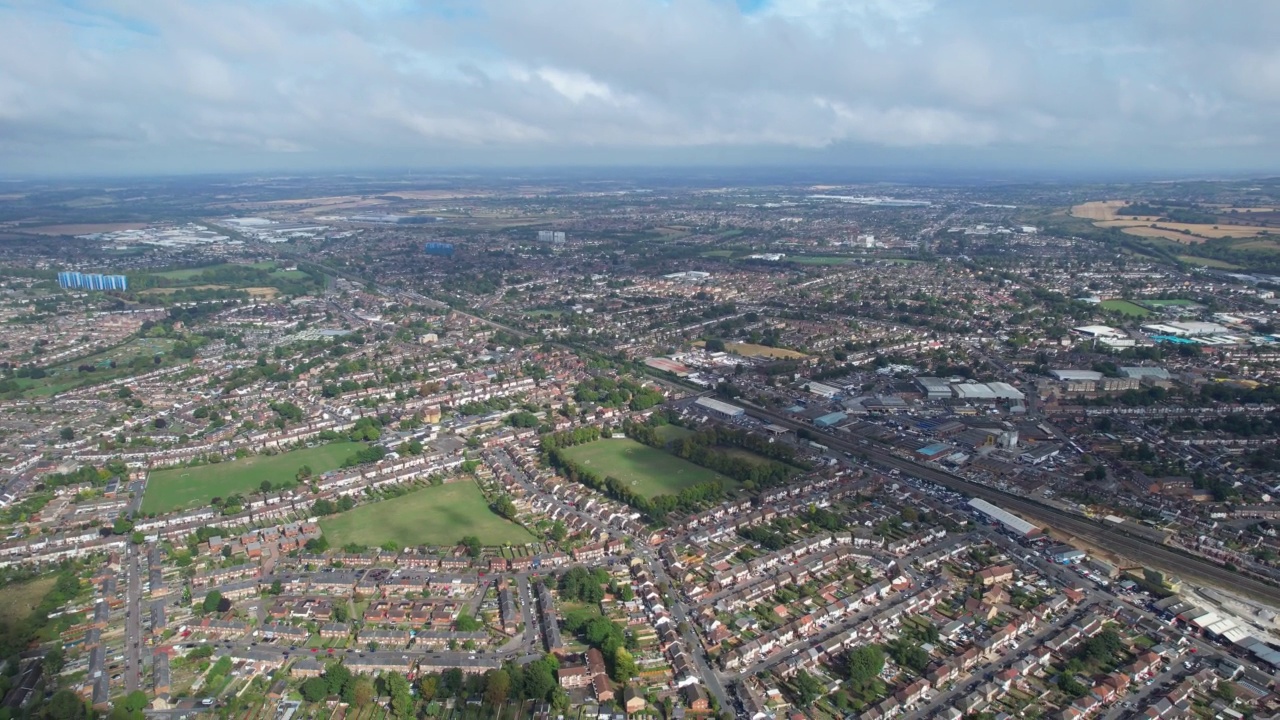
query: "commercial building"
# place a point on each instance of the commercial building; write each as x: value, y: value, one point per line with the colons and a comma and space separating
x: 830, y: 419
x: 438, y: 248
x: 1004, y: 517
x: 551, y: 236
x: 72, y: 280
x: 934, y: 388
x: 719, y: 409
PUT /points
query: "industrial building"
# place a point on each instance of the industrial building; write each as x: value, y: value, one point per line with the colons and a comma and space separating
x: 72, y: 280
x: 719, y: 409
x: 934, y: 388
x: 1004, y: 517
x: 551, y: 236
x: 438, y: 248
x: 830, y: 419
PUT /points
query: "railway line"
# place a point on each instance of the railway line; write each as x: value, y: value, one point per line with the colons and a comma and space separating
x: 1140, y: 549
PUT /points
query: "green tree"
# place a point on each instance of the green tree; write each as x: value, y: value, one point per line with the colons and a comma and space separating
x: 211, y: 601
x: 865, y: 665
x: 497, y: 687
x: 65, y: 705
x: 624, y: 666
x: 67, y: 434
x: 314, y: 689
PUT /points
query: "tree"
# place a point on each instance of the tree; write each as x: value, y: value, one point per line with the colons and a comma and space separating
x: 277, y: 588
x: 67, y: 434
x: 303, y: 473
x: 505, y: 507
x: 401, y: 699
x: 807, y: 688
x: 624, y: 666
x: 865, y: 665
x: 558, y: 531
x: 497, y: 687
x: 467, y: 623
x: 314, y: 689
x: 362, y: 691
x: 211, y: 601
x: 472, y: 544
x: 65, y: 705
x: 54, y: 661
x: 337, y: 677
x: 265, y: 486
x: 427, y: 686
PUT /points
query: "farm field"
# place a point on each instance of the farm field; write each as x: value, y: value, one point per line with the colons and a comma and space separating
x: 437, y: 515
x: 1208, y: 262
x: 183, y: 487
x: 1125, y: 307
x: 17, y: 600
x: 649, y: 471
x: 1110, y: 214
x: 751, y: 350
x: 1098, y: 209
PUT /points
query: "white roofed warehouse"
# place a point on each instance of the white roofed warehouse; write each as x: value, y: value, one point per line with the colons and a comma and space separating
x: 719, y: 409
x: 1004, y: 517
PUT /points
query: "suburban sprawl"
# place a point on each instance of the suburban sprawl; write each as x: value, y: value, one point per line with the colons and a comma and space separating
x: 378, y: 448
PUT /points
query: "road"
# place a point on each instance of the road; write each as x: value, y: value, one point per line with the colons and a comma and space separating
x: 133, y: 619
x: 1142, y: 550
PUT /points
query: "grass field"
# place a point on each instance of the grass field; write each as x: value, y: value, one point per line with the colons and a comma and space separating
x: 188, y: 273
x: 649, y: 471
x: 751, y: 350
x: 1208, y: 262
x: 1163, y: 303
x: 177, y: 488
x: 818, y: 259
x: 438, y: 515
x: 19, y: 599
x: 672, y: 432
x: 1125, y: 307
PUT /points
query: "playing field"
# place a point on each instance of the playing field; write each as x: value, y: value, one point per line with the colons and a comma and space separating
x: 649, y: 471
x: 753, y: 350
x: 1125, y: 307
x: 438, y: 515
x: 19, y: 599
x: 177, y: 488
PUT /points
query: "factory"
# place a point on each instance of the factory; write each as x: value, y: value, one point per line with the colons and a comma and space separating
x: 939, y: 389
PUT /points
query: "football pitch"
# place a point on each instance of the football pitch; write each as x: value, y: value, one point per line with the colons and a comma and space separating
x: 438, y: 515
x: 189, y: 487
x: 649, y: 471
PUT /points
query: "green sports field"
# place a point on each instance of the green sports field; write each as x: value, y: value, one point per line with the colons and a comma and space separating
x: 649, y: 471
x: 187, y: 487
x: 437, y: 515
x: 1125, y: 307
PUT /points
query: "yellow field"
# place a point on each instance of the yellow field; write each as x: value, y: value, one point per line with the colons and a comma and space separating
x: 262, y: 292
x: 1208, y: 262
x: 1201, y: 229
x: 1259, y: 244
x: 1167, y: 234
x: 1098, y: 209
x: 752, y: 350
x: 18, y: 600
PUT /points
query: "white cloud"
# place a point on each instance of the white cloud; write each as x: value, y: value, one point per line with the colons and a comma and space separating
x: 338, y: 81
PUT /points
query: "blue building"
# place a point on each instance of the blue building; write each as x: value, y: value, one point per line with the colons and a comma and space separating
x: 438, y: 248
x: 72, y: 280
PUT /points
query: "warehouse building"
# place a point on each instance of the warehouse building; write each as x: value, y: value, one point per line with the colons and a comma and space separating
x: 1004, y: 517
x: 719, y: 409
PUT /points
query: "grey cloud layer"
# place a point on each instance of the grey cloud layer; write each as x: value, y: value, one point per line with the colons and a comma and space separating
x: 171, y: 84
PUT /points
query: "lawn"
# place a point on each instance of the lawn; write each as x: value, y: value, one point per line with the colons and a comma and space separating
x: 438, y: 515
x: 1162, y: 303
x: 1208, y: 262
x: 672, y: 432
x: 753, y: 350
x: 1125, y: 307
x: 818, y: 259
x: 19, y: 599
x: 187, y: 487
x: 650, y: 471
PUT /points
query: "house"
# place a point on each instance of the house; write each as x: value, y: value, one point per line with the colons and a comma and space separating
x: 695, y: 697
x: 632, y: 701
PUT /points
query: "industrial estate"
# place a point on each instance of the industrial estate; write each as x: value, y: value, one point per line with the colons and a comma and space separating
x: 493, y: 447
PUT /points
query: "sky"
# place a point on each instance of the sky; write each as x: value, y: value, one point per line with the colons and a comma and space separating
x: 103, y: 87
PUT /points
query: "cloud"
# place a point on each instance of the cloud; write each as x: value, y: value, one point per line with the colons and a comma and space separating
x: 103, y: 85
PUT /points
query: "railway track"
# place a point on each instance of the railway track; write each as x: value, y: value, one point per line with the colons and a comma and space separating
x: 1144, y: 550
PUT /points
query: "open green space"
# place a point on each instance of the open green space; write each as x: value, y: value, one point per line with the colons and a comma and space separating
x: 17, y: 600
x: 1125, y: 308
x: 818, y: 259
x: 718, y: 253
x: 67, y: 375
x: 437, y: 515
x: 1208, y: 262
x: 188, y: 273
x: 185, y: 487
x: 1164, y: 303
x: 649, y: 471
x: 672, y: 432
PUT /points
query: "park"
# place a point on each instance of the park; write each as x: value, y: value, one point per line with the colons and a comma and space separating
x: 438, y: 515
x: 649, y: 471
